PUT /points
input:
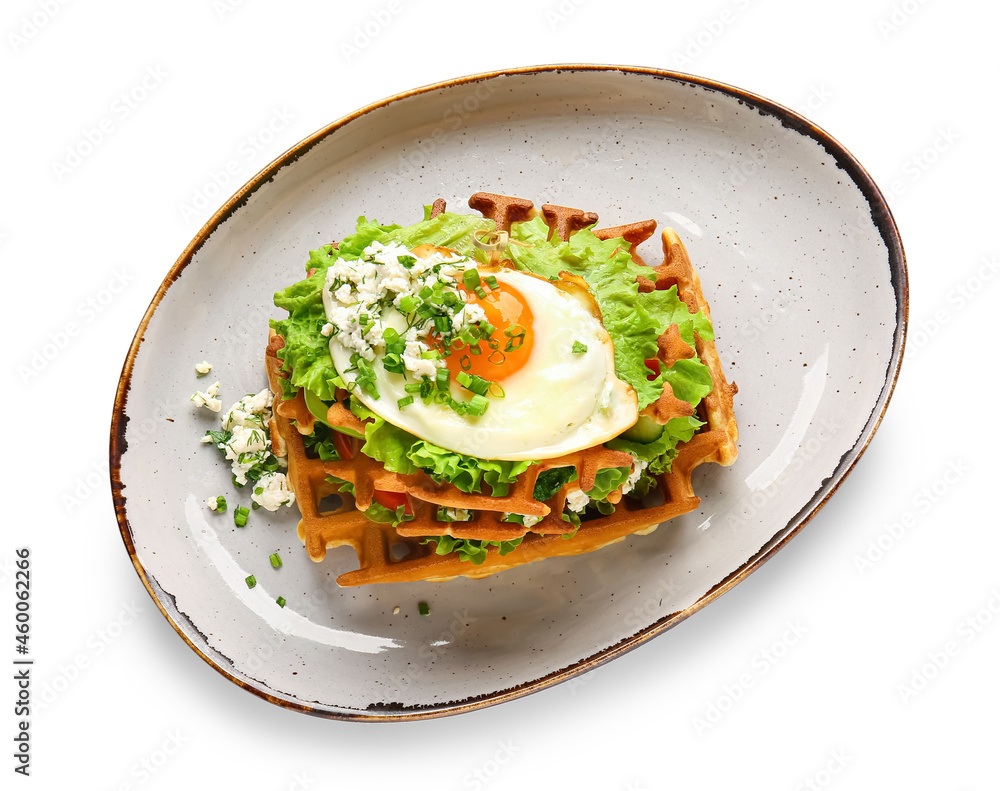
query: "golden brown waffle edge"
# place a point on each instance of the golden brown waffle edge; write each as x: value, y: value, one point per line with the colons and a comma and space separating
x: 387, y: 554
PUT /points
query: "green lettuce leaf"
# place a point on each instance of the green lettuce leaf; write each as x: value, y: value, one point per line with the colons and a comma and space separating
x: 607, y: 480
x: 633, y: 322
x: 472, y: 550
x: 467, y: 473
x: 661, y: 451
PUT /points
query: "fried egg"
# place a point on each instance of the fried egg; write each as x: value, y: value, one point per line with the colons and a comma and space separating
x: 559, y: 389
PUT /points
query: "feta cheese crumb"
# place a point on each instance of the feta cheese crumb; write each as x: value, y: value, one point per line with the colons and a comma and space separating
x: 457, y: 514
x: 529, y: 521
x: 212, y: 503
x: 326, y: 330
x: 208, y: 399
x: 634, y: 477
x: 272, y: 491
x: 251, y: 410
x: 203, y: 367
x: 577, y: 500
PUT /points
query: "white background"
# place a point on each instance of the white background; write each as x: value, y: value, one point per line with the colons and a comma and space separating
x: 818, y: 671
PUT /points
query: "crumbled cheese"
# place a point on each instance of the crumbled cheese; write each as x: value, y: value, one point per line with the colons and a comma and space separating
x: 208, y: 399
x: 634, y: 477
x: 576, y: 500
x: 470, y: 314
x: 326, y: 330
x: 457, y: 514
x: 272, y: 491
x: 364, y: 286
x: 203, y: 367
x: 213, y: 504
x: 412, y: 359
x: 529, y: 521
x: 251, y: 410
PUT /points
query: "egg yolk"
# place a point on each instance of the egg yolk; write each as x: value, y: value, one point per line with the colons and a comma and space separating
x: 508, y: 347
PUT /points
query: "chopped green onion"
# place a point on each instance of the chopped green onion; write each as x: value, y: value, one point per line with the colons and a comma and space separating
x: 433, y: 354
x: 408, y: 304
x: 491, y: 281
x: 404, y: 402
x: 471, y: 279
x: 251, y: 581
x: 422, y: 607
x: 443, y: 379
x: 275, y: 560
x: 280, y: 601
x: 496, y: 390
x: 413, y: 387
x: 579, y: 348
x: 442, y: 323
x: 240, y: 516
x: 255, y: 505
x: 486, y: 329
x: 220, y: 504
x: 463, y: 379
x: 426, y: 292
x: 477, y: 405
x: 465, y: 361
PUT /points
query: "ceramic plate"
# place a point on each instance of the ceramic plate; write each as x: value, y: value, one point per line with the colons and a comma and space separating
x: 799, y: 259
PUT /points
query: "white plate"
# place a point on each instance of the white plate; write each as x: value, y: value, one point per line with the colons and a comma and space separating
x: 799, y: 259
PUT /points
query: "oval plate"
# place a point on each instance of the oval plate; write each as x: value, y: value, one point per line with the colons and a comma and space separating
x: 799, y: 259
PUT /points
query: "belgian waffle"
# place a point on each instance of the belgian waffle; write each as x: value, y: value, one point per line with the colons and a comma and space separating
x: 399, y: 554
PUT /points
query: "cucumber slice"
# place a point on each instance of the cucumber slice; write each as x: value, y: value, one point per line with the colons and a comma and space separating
x: 319, y: 408
x: 645, y: 430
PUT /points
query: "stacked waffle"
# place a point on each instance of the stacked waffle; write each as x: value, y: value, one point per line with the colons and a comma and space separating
x: 337, y: 491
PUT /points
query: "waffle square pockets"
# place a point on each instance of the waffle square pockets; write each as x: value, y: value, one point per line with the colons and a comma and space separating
x: 473, y: 393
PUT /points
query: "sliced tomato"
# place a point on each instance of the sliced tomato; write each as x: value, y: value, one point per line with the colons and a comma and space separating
x: 343, y: 445
x: 392, y: 501
x: 653, y: 364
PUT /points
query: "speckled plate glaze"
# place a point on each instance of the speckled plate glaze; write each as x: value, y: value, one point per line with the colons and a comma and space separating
x: 799, y: 259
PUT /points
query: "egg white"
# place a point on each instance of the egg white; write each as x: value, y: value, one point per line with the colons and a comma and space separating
x: 557, y: 403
